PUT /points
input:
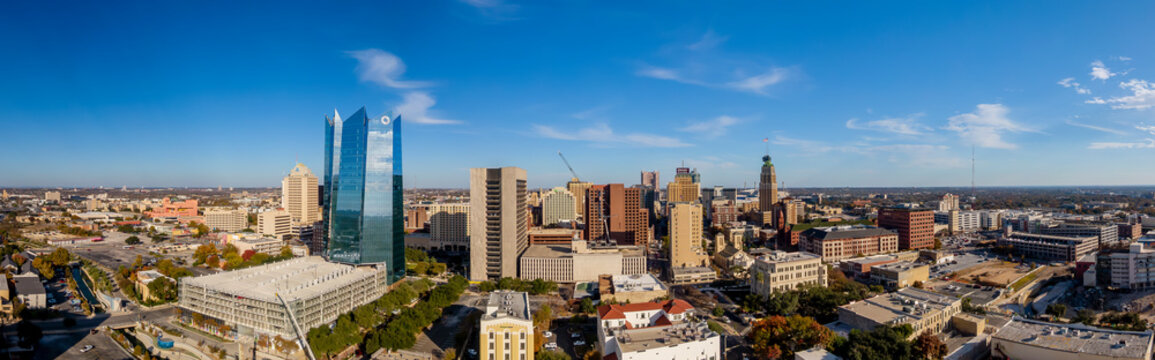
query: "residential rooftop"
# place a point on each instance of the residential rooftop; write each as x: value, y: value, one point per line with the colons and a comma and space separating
x: 298, y: 278
x: 1077, y: 338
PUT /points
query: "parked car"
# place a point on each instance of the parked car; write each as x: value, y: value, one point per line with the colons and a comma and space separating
x: 86, y: 348
x: 579, y: 343
x: 547, y: 334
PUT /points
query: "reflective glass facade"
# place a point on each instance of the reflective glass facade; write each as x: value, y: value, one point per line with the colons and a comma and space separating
x: 363, y: 192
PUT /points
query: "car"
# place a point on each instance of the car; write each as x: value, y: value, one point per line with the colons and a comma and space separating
x: 547, y: 334
x: 551, y: 346
x: 579, y: 343
x: 575, y: 335
x: 86, y: 348
x: 473, y: 352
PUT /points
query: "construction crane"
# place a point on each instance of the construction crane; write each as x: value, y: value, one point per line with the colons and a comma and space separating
x: 575, y: 177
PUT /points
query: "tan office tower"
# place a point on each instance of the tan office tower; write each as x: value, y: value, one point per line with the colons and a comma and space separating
x: 684, y: 188
x: 686, y: 235
x: 498, y: 221
x: 617, y: 209
x: 767, y: 186
x: 651, y: 179
x: 275, y: 223
x: 579, y: 189
x: 299, y: 195
x: 557, y: 205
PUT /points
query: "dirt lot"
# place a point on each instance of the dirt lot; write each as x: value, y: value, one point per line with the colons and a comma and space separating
x: 996, y: 273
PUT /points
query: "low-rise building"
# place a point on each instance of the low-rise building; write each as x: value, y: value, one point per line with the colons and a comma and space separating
x: 1030, y: 339
x: 143, y: 278
x: 30, y: 291
x: 506, y: 328
x: 1106, y: 233
x: 692, y: 275
x: 655, y: 330
x: 627, y: 289
x: 543, y: 236
x: 923, y: 310
x: 899, y: 274
x: 783, y: 271
x: 275, y: 223
x: 1132, y: 269
x: 263, y: 246
x: 6, y: 305
x: 834, y: 243
x: 1050, y: 247
x: 579, y: 262
x: 227, y: 219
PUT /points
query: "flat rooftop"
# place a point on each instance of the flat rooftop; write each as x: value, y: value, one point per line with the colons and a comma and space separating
x: 1077, y: 338
x: 905, y: 303
x: 28, y: 285
x: 513, y: 304
x: 563, y: 250
x: 635, y: 340
x: 841, y: 232
x: 637, y: 282
x: 299, y: 278
x: 778, y: 256
x: 898, y: 266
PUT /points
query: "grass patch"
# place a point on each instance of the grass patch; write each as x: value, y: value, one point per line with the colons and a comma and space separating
x: 198, y: 331
x: 715, y: 327
x: 1024, y: 280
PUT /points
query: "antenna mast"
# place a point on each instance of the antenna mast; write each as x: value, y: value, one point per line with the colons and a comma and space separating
x: 973, y: 171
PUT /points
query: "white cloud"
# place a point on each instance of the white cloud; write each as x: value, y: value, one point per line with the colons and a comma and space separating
x: 414, y: 108
x: 913, y: 155
x: 1149, y: 129
x: 1070, y: 83
x: 710, y: 162
x: 1096, y: 100
x: 712, y: 128
x: 758, y: 83
x: 1097, y: 128
x: 383, y: 68
x: 1142, y: 96
x: 985, y: 126
x: 902, y: 126
x: 663, y: 74
x: 1147, y: 144
x: 1122, y: 58
x: 601, y: 134
x: 709, y: 41
x: 1100, y: 71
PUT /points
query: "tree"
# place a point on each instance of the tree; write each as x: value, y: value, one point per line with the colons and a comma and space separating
x: 44, y: 267
x: 778, y: 337
x: 884, y: 342
x: 587, y: 306
x: 248, y: 254
x: 286, y: 252
x: 213, y: 261
x: 132, y: 240
x: 1084, y: 316
x: 718, y: 311
x: 542, y: 317
x: 1057, y: 309
x: 60, y: 257
x: 451, y: 354
x: 204, y: 251
x: 917, y: 284
x: 929, y: 347
x: 162, y: 289
x: 550, y: 355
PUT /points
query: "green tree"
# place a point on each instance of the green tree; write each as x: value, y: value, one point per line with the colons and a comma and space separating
x: 718, y: 311
x: 163, y: 289
x: 550, y: 355
x: 60, y: 257
x: 778, y: 337
x: 1057, y: 309
x: 1084, y: 316
x: 44, y: 267
x: 587, y: 306
x: 451, y: 354
x: 885, y: 342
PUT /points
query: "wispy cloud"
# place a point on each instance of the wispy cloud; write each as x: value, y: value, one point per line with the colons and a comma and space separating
x: 712, y: 128
x: 1148, y: 129
x: 710, y: 162
x: 1070, y: 83
x: 1142, y: 96
x: 498, y: 10
x: 985, y: 126
x: 383, y: 68
x: 903, y: 126
x: 1122, y: 58
x: 701, y: 63
x: 602, y: 134
x: 415, y: 108
x: 912, y: 155
x: 1096, y: 128
x: 1099, y: 71
x: 1146, y: 144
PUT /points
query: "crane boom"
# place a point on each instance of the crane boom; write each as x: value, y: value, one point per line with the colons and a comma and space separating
x: 575, y: 176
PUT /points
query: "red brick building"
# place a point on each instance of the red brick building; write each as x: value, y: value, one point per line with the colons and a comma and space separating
x: 915, y: 227
x: 618, y: 208
x: 1130, y: 231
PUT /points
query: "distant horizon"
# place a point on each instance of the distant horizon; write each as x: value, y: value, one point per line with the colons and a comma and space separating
x: 236, y: 188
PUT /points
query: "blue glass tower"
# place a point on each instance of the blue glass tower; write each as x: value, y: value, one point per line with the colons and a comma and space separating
x: 363, y: 199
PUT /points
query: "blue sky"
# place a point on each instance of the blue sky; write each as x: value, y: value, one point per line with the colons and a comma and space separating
x: 848, y: 94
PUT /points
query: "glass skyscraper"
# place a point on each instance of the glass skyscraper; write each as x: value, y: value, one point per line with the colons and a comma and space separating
x: 363, y: 198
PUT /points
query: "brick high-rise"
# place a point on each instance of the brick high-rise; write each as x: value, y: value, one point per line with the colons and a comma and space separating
x: 915, y: 227
x: 618, y: 208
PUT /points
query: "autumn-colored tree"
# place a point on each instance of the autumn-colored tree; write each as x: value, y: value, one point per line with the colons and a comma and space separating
x: 778, y: 337
x: 929, y: 347
x: 248, y: 254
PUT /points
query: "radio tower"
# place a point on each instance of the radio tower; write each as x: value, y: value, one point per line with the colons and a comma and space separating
x: 973, y: 173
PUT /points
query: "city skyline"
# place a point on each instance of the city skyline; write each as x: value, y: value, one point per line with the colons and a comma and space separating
x: 1047, y: 96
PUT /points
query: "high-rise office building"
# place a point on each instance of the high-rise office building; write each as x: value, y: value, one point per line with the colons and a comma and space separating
x: 949, y: 202
x: 299, y: 195
x: 363, y: 192
x: 686, y: 235
x: 915, y: 227
x: 578, y: 189
x: 613, y: 212
x: 685, y: 187
x: 651, y: 179
x: 767, y: 186
x: 557, y: 204
x: 498, y: 221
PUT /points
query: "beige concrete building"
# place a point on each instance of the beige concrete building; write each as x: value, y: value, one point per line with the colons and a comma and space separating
x: 52, y: 196
x: 143, y: 278
x: 578, y: 189
x: 300, y: 195
x: 923, y: 310
x: 578, y: 262
x: 229, y: 220
x: 1030, y: 339
x: 686, y: 236
x: 783, y: 271
x: 506, y: 328
x: 498, y: 221
x: 276, y: 223
x: 264, y: 246
x: 627, y: 289
x: 1050, y: 247
x: 899, y: 274
x: 684, y: 188
x: 449, y: 224
x: 558, y: 204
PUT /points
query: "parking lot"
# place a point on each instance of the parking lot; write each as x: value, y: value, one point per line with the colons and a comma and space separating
x: 961, y: 262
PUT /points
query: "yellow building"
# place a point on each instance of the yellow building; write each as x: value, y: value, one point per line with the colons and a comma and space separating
x: 578, y: 189
x: 686, y: 236
x: 506, y: 327
x: 684, y: 188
